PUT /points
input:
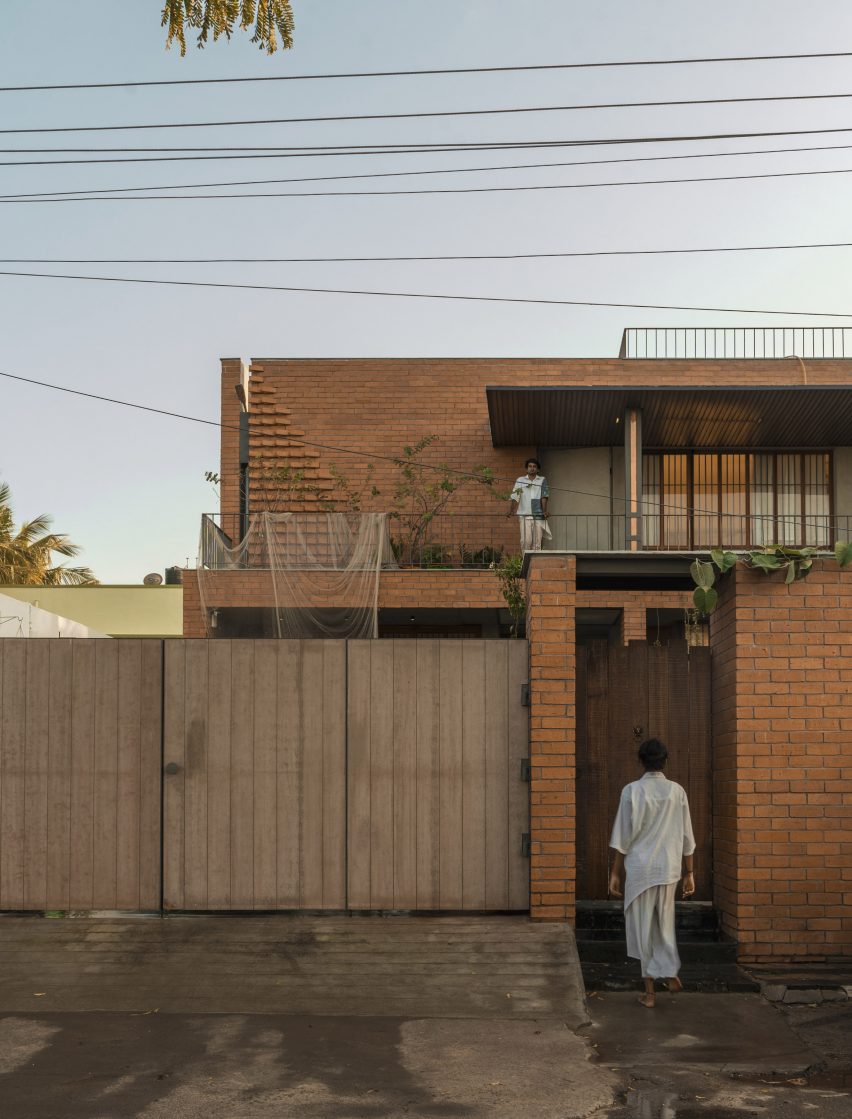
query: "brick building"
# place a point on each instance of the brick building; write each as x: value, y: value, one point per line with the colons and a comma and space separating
x: 717, y: 439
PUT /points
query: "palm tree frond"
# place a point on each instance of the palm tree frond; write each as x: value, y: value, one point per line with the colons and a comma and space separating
x: 26, y: 557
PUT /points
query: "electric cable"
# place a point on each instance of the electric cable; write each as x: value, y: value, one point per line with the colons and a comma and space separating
x: 423, y: 190
x: 424, y: 295
x: 426, y: 73
x: 318, y: 151
x: 429, y: 115
x: 428, y: 171
x: 392, y: 259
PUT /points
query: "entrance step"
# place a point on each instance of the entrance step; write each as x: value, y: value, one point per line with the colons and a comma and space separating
x: 708, y: 956
x: 489, y: 966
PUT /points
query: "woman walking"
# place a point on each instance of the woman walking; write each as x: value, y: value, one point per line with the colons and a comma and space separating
x: 653, y: 846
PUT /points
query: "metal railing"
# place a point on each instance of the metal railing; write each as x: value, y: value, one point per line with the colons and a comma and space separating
x: 743, y: 342
x: 476, y: 540
x: 213, y: 542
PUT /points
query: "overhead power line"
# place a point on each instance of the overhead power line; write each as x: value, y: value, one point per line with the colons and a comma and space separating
x: 430, y: 115
x: 440, y: 468
x: 337, y: 150
x: 428, y: 171
x: 426, y: 295
x: 427, y: 73
x: 436, y: 257
x: 421, y: 191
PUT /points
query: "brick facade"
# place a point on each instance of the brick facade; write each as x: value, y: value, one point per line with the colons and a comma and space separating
x: 375, y: 406
x: 783, y: 764
x: 782, y: 717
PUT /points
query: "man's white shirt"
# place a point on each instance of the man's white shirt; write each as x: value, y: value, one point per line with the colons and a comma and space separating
x: 526, y: 491
x: 653, y: 831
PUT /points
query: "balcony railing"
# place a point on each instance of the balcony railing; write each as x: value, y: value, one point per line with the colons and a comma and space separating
x: 475, y: 540
x: 741, y: 342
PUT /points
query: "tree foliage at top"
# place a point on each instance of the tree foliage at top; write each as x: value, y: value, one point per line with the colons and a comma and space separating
x: 272, y: 21
x: 26, y: 556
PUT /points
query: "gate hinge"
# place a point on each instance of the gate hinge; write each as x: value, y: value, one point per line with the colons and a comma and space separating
x: 525, y: 695
x: 525, y: 844
x: 525, y: 769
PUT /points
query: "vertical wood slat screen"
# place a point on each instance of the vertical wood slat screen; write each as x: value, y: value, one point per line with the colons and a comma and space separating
x: 631, y: 694
x: 737, y: 499
x: 80, y: 774
x: 260, y: 812
x: 254, y: 816
x: 437, y: 807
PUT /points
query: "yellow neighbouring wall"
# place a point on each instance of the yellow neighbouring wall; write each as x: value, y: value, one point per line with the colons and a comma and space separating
x: 123, y: 611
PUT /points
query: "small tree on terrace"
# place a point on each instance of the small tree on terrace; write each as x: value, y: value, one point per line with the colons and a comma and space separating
x: 423, y: 491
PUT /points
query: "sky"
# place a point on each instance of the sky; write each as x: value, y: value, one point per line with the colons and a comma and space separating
x: 129, y: 486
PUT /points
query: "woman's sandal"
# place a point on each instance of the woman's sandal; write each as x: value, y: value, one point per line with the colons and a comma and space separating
x: 673, y: 985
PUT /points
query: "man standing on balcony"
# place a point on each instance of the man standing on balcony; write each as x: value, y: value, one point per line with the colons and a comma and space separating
x: 529, y: 502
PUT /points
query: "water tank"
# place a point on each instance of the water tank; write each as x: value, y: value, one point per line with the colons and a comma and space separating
x: 174, y: 576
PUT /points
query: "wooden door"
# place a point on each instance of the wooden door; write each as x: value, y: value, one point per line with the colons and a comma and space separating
x: 255, y: 775
x: 625, y: 695
x: 437, y: 805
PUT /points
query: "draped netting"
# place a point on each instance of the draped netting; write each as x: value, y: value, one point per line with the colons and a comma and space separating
x: 318, y: 573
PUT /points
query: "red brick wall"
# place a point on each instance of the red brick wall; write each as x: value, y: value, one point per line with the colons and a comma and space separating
x: 634, y: 606
x: 377, y: 405
x: 783, y: 758
x: 409, y: 589
x: 726, y: 778
x: 551, y: 597
x: 422, y: 589
x: 229, y: 459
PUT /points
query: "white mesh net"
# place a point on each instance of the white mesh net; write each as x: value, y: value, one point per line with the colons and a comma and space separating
x: 316, y: 574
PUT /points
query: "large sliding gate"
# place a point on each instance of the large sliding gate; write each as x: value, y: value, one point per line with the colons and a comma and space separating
x: 262, y: 775
x: 345, y: 775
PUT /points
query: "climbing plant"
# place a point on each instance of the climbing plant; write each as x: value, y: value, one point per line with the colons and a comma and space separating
x: 795, y: 562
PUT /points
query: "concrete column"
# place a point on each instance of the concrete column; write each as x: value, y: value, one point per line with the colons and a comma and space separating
x: 633, y: 479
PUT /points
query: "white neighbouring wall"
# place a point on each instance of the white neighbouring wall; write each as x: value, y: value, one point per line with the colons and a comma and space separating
x: 22, y: 619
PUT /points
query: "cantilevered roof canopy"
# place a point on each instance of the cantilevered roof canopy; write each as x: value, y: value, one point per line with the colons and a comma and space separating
x: 704, y: 416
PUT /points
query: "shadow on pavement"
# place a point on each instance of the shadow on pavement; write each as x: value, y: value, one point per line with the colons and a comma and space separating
x: 111, y: 1066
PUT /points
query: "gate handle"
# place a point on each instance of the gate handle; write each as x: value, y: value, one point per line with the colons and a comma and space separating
x: 172, y: 768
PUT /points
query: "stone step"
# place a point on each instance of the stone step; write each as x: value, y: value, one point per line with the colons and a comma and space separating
x: 711, y: 978
x: 691, y: 951
x: 608, y: 915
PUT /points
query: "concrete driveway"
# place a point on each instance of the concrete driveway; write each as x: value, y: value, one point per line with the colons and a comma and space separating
x: 224, y: 1019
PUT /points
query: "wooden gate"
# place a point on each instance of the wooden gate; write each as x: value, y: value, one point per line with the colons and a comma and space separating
x: 625, y: 695
x: 437, y: 806
x: 80, y: 774
x: 321, y: 775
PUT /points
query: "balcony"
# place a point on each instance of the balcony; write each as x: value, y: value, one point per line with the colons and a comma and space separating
x: 475, y: 540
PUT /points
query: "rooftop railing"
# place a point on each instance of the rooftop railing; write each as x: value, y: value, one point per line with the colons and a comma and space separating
x: 476, y: 540
x: 741, y: 342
